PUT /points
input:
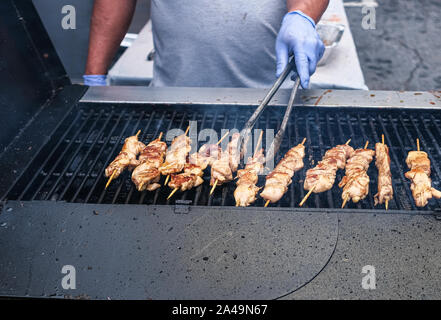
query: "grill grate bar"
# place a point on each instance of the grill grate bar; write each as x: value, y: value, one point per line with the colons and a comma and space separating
x: 103, y: 147
x: 72, y: 158
x: 63, y: 137
x: 92, y: 145
x: 49, y: 174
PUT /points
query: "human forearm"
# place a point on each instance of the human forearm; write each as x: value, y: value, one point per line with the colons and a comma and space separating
x: 109, y: 24
x: 312, y: 8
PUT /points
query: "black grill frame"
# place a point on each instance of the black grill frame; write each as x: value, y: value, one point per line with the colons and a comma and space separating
x: 91, y: 135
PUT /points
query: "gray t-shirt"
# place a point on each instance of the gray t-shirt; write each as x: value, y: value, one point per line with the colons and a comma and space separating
x: 215, y: 43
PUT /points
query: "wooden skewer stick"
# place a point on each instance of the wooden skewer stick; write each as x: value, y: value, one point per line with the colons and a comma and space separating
x: 160, y: 136
x: 225, y: 135
x: 259, y: 141
x: 137, y: 134
x: 110, y: 179
x: 186, y: 131
x: 303, y: 141
x: 266, y: 203
x: 347, y: 142
x: 307, y: 196
x: 386, y: 204
x: 214, y: 187
x: 382, y: 138
x: 365, y: 146
x: 166, y: 180
x: 344, y: 202
x: 172, y: 193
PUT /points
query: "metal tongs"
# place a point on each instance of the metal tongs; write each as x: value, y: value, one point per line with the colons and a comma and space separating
x: 252, y: 120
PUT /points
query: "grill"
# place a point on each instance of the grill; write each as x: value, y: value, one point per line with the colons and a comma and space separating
x: 69, y: 166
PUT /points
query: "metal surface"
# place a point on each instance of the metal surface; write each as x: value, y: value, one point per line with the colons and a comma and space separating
x: 30, y: 70
x: 139, y: 252
x: 252, y: 97
x: 330, y: 34
x: 70, y: 165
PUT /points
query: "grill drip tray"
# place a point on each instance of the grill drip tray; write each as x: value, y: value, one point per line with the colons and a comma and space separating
x: 70, y: 165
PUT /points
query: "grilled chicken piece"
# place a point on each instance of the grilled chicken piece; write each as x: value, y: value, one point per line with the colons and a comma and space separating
x: 176, y: 156
x: 146, y: 174
x: 126, y: 158
x: 322, y: 176
x: 245, y: 193
x: 194, y: 170
x: 279, y: 179
x: 420, y: 160
x: 385, y: 190
x: 233, y: 151
x: 355, y: 183
x: 190, y: 178
x: 207, y: 154
x: 222, y: 168
x: 419, y: 165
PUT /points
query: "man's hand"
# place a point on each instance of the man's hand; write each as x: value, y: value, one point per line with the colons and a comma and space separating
x: 298, y: 36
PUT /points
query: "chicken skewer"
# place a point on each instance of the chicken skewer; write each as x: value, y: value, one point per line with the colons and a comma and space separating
x: 146, y: 175
x: 222, y: 169
x: 385, y: 191
x: 355, y: 183
x: 174, y: 162
x: 245, y: 193
x: 419, y: 165
x: 279, y: 179
x: 176, y: 156
x: 194, y: 170
x: 125, y: 159
x: 322, y: 177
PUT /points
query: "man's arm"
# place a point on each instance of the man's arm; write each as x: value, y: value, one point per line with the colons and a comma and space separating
x: 312, y: 8
x: 298, y: 36
x: 109, y: 24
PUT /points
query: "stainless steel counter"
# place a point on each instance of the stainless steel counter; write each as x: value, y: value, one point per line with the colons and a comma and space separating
x: 247, y: 96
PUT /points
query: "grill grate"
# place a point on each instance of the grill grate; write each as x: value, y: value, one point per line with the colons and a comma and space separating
x: 70, y: 165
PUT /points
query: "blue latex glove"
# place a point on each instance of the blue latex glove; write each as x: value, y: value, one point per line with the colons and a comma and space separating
x: 298, y: 36
x: 95, y: 79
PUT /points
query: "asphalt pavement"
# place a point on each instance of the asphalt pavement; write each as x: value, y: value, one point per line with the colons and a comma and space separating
x: 403, y: 52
